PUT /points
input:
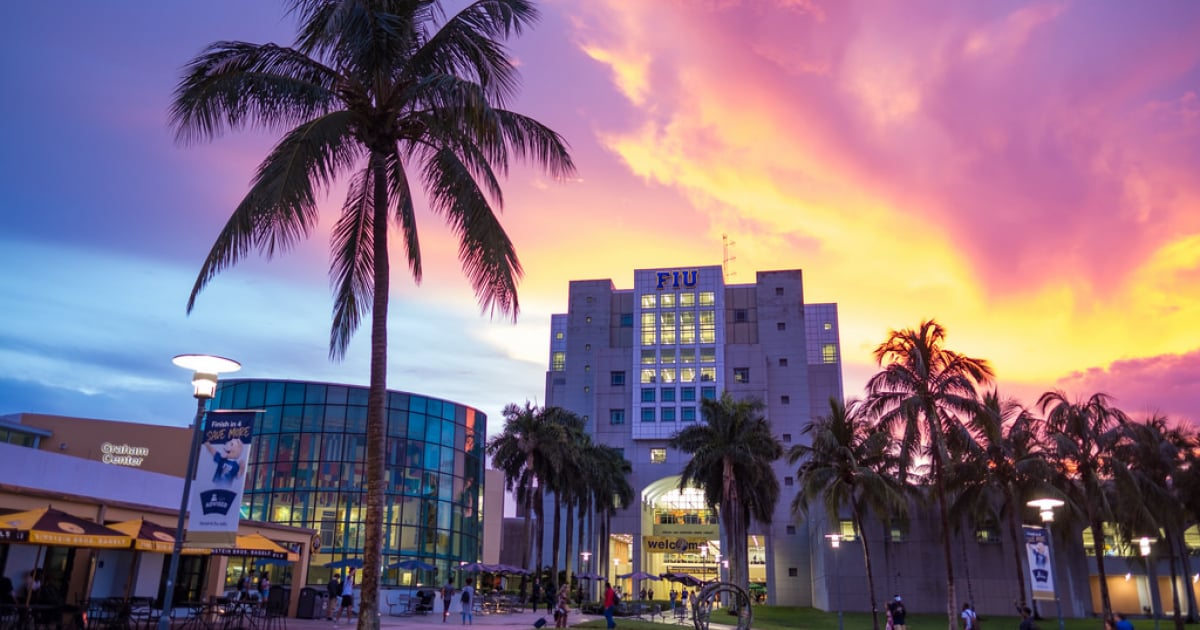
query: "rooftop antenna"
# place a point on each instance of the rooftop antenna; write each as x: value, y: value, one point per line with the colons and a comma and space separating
x: 726, y: 244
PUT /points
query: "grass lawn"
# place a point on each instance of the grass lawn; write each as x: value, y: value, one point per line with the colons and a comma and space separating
x: 793, y: 617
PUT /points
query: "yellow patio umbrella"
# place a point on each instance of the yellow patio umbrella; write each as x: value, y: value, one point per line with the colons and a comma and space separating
x: 150, y: 537
x: 48, y: 526
x: 257, y: 546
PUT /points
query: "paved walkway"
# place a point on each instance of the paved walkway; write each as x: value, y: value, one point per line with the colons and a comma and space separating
x: 507, y: 620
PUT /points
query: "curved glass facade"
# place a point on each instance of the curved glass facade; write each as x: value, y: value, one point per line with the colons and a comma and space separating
x: 308, y: 469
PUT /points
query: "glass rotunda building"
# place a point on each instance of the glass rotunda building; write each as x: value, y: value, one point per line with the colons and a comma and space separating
x: 307, y: 468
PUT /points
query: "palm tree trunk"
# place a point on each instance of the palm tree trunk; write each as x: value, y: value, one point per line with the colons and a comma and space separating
x: 962, y: 543
x: 944, y: 517
x: 1098, y: 545
x: 539, y: 513
x: 1175, y: 603
x: 1186, y: 562
x: 866, y: 547
x: 1017, y: 546
x: 556, y: 537
x: 527, y: 549
x: 368, y: 619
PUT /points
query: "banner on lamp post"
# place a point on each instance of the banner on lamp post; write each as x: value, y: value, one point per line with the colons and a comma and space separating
x: 220, y: 477
x: 1041, y: 568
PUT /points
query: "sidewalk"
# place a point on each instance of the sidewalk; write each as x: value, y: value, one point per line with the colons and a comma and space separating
x: 506, y: 620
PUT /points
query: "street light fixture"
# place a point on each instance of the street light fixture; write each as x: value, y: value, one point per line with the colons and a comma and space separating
x: 205, y: 369
x: 1045, y: 508
x: 835, y: 541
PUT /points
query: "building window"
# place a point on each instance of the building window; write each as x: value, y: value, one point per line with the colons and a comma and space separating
x: 658, y: 456
x: 587, y: 389
x: 787, y: 438
x: 649, y: 300
x: 687, y: 394
x: 708, y: 393
x: 687, y: 355
x: 740, y: 315
x: 829, y: 353
x: 587, y: 319
x: 785, y: 400
x: 626, y: 320
x: 847, y: 530
x: 558, y: 335
x: 587, y: 368
x: 707, y: 298
x: 687, y: 375
x: 587, y: 347
x: 558, y: 361
x: 708, y: 326
x: 668, y: 394
x: 687, y: 299
x: 790, y: 530
x: 899, y: 534
x: 668, y: 356
x: 688, y: 414
x: 708, y: 355
x: 741, y: 375
x: 668, y: 414
x: 648, y: 357
x: 616, y: 379
x: 778, y: 290
x: 780, y: 326
x: 792, y: 572
x: 783, y: 362
x: 789, y: 481
x: 616, y: 416
x: 667, y: 375
x: 647, y: 394
x: 649, y: 375
x: 708, y: 374
x: 828, y: 325
x: 647, y: 414
x: 987, y: 533
x: 668, y: 300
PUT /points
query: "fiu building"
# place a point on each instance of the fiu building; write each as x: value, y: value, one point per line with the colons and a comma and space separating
x: 635, y: 364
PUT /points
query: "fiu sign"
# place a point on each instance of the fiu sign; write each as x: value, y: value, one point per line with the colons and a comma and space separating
x: 676, y: 279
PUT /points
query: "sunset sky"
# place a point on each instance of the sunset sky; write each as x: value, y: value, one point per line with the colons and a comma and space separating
x: 1024, y: 172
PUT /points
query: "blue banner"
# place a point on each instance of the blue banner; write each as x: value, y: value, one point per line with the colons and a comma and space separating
x: 1041, y: 568
x: 221, y: 473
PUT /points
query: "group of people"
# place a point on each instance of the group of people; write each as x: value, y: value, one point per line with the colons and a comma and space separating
x: 340, y: 597
x: 466, y: 597
x: 683, y: 597
x: 254, y: 582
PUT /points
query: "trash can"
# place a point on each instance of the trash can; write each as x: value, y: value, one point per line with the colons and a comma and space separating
x: 309, y: 605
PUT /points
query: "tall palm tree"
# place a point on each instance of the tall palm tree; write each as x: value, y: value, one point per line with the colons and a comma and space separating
x: 564, y: 474
x: 1004, y: 461
x: 921, y: 395
x: 607, y: 472
x: 1083, y: 438
x: 732, y: 452
x: 846, y: 463
x: 525, y: 451
x: 379, y: 91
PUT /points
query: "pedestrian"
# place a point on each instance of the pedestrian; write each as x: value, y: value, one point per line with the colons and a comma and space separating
x: 333, y: 593
x: 642, y: 594
x: 1123, y: 622
x: 969, y: 619
x: 242, y: 584
x: 650, y: 594
x: 350, y: 586
x: 347, y: 602
x: 1026, y: 619
x: 468, y: 602
x: 537, y: 594
x: 673, y: 595
x: 683, y: 599
x: 264, y: 588
x: 561, y: 605
x: 610, y: 602
x: 447, y: 597
x: 896, y: 608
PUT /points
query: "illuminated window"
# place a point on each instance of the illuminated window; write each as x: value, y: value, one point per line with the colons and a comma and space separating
x: 708, y: 374
x: 647, y: 357
x: 687, y: 355
x: 741, y: 375
x: 668, y: 336
x: 668, y: 300
x: 687, y: 375
x: 987, y: 533
x: 668, y: 394
x: 829, y: 353
x: 668, y: 413
x: 708, y: 355
x: 647, y: 414
x: 687, y: 394
x: 849, y: 534
x: 648, y: 376
x: 588, y: 319
x: 689, y: 414
x: 667, y: 375
x: 647, y: 394
x: 558, y: 335
x: 558, y: 361
x: 649, y: 300
x: 648, y: 320
x: 668, y: 356
x: 687, y: 299
x: 828, y: 326
x: 708, y: 326
x: 707, y: 298
x: 616, y: 416
x: 649, y: 338
x: 658, y: 456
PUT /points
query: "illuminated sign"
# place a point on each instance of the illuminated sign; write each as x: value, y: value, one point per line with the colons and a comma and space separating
x: 123, y: 454
x: 676, y: 279
x: 667, y: 544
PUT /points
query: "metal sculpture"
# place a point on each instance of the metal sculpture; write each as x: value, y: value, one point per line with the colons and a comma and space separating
x: 722, y: 596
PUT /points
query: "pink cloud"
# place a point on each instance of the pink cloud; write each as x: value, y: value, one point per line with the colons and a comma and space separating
x: 1168, y: 384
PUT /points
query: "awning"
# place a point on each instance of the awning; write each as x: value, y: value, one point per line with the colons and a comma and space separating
x: 48, y: 526
x: 257, y: 546
x: 152, y: 537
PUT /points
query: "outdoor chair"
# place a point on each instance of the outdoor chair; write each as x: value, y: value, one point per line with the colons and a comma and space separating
x: 400, y: 606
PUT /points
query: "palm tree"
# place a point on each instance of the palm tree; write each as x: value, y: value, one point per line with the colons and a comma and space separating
x: 607, y: 473
x: 378, y: 90
x: 732, y: 452
x: 1084, y: 437
x: 921, y: 394
x: 846, y: 463
x: 525, y: 452
x: 1004, y: 461
x: 564, y: 475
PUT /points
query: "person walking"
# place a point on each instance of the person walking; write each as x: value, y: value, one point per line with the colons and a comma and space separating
x: 562, y: 605
x: 347, y: 603
x: 537, y: 594
x: 333, y: 595
x: 899, y: 612
x: 969, y: 619
x: 468, y: 602
x: 610, y: 602
x: 447, y: 597
x: 1026, y: 619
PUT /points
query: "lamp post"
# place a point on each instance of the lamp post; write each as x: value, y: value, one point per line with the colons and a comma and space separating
x: 835, y: 541
x: 204, y: 383
x: 1151, y: 576
x: 586, y: 556
x: 1045, y: 508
